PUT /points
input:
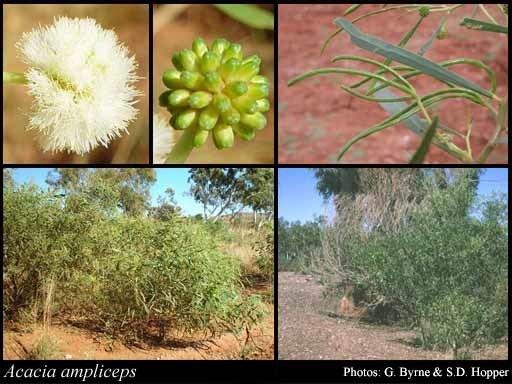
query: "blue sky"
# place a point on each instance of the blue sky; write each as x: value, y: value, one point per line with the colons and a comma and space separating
x: 298, y: 198
x: 177, y: 178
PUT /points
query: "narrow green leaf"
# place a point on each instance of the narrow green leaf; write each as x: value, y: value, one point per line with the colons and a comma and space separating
x: 414, y: 123
x: 351, y: 9
x: 406, y: 57
x: 327, y: 71
x: 402, y: 43
x: 476, y: 63
x: 329, y: 39
x: 250, y: 15
x: 420, y: 154
x: 369, y: 98
x: 411, y: 110
x: 483, y: 26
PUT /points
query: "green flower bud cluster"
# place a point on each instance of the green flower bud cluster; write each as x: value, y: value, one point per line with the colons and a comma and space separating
x: 424, y: 11
x: 216, y: 90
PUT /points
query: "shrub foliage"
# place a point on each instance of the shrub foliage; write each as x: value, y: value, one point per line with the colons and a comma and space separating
x: 117, y: 270
x: 420, y: 248
x: 298, y: 243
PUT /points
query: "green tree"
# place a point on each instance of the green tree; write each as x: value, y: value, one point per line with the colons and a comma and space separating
x: 124, y: 188
x: 298, y: 243
x: 167, y: 206
x: 218, y: 190
x: 444, y: 271
x: 8, y: 178
x: 335, y: 181
x: 135, y: 184
x: 259, y: 193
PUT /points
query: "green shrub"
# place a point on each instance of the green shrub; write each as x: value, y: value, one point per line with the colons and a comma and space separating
x: 443, y: 271
x: 264, y: 248
x: 297, y: 244
x: 120, y: 272
x: 218, y: 229
x: 30, y: 219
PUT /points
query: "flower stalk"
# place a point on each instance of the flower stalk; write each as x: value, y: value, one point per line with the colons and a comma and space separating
x: 183, y: 147
x: 14, y: 78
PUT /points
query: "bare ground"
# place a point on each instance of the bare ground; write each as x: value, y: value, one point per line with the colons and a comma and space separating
x: 305, y: 333
x: 82, y: 344
x: 76, y: 340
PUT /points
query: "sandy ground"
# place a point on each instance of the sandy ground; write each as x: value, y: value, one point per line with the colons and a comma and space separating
x: 82, y: 344
x: 316, y: 118
x: 305, y: 333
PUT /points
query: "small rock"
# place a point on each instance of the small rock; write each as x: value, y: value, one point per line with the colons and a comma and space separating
x: 68, y: 357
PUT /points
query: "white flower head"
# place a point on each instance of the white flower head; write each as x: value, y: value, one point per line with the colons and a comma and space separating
x: 163, y: 139
x: 82, y: 79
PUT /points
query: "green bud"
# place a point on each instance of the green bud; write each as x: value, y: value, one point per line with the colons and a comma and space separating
x: 199, y: 47
x: 263, y: 105
x: 171, y: 79
x: 208, y: 118
x: 244, y: 132
x: 235, y: 89
x: 219, y: 46
x: 188, y: 60
x: 214, y: 88
x: 255, y: 120
x: 210, y: 62
x: 199, y: 99
x: 233, y: 52
x: 245, y: 72
x: 245, y: 104
x: 230, y: 117
x: 258, y: 79
x: 213, y: 82
x: 191, y: 80
x: 442, y: 32
x: 253, y: 58
x: 163, y: 100
x: 223, y: 136
x: 222, y: 103
x: 229, y: 67
x: 176, y: 61
x: 200, y: 138
x: 258, y: 91
x: 424, y: 11
x: 185, y: 119
x: 179, y: 98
